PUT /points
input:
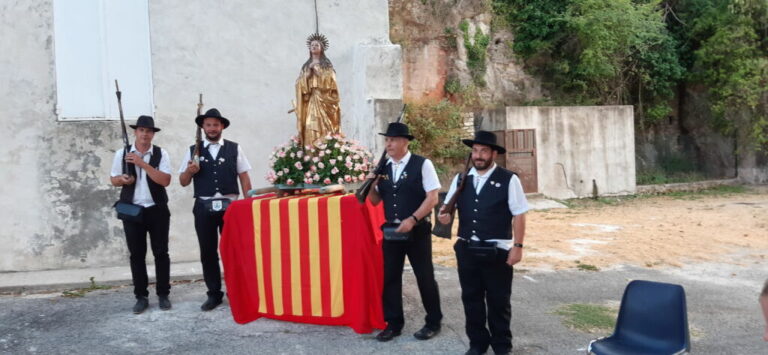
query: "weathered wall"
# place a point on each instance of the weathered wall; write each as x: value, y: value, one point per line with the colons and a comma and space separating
x: 243, y: 55
x: 434, y: 51
x: 576, y: 145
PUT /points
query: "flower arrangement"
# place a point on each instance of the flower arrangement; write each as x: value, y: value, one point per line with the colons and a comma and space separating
x: 334, y: 160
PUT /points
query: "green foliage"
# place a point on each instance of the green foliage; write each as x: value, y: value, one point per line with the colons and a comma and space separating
x: 586, y: 267
x: 438, y: 129
x: 598, y: 52
x: 729, y: 55
x: 476, y: 52
x: 589, y: 318
x: 640, y: 52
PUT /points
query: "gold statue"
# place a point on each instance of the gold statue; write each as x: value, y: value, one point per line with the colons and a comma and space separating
x: 317, y: 96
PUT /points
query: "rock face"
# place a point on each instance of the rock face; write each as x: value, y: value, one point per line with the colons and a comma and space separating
x: 434, y: 52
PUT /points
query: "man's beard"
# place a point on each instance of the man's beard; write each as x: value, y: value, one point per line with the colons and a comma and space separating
x: 213, y: 138
x: 481, y: 164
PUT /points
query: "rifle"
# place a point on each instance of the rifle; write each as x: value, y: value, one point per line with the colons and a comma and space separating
x: 198, y: 134
x: 127, y: 168
x: 444, y: 230
x: 362, y: 192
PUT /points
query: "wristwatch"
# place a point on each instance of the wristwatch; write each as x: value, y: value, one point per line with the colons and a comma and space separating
x: 518, y: 245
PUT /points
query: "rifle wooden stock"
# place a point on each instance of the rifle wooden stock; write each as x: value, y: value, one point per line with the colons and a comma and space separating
x: 198, y: 133
x: 127, y: 168
x: 444, y: 230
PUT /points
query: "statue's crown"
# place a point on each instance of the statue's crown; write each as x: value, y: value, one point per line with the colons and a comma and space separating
x: 318, y: 37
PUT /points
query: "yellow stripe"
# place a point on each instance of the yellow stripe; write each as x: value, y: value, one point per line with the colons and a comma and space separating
x: 334, y: 256
x: 276, y: 256
x: 295, y: 247
x: 315, y: 285
x: 256, y: 209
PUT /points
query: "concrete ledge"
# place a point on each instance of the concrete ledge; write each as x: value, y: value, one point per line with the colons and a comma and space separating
x: 57, y: 280
x: 684, y: 186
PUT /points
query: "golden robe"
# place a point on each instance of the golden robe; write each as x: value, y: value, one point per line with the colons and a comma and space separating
x: 317, y: 109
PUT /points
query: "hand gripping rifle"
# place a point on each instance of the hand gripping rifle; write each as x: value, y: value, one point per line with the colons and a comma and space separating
x: 127, y: 168
x: 362, y: 192
x: 444, y: 230
x: 198, y: 133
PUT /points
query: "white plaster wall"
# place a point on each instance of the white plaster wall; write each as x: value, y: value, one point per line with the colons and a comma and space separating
x: 244, y: 56
x: 577, y: 145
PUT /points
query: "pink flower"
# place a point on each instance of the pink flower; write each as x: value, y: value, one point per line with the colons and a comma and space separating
x: 298, y: 165
x: 348, y: 165
x: 335, y: 170
x: 307, y: 157
x: 300, y: 153
x: 320, y: 165
x: 316, y: 177
x: 315, y: 159
x: 280, y: 173
x: 322, y: 153
x: 327, y: 151
x: 313, y: 168
x: 286, y: 170
x: 347, y: 178
x: 327, y: 181
x: 281, y: 154
x: 341, y: 180
x: 308, y: 181
x: 289, y: 182
x: 361, y: 177
x: 332, y: 161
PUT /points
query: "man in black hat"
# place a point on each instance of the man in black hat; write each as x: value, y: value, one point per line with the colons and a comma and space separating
x: 492, y: 209
x: 143, y: 184
x: 222, y: 164
x: 409, y: 189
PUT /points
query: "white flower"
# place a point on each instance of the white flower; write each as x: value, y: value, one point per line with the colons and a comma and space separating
x: 320, y: 165
x: 332, y: 161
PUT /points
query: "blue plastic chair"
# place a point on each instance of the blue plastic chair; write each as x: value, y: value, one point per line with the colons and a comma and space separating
x: 652, y: 320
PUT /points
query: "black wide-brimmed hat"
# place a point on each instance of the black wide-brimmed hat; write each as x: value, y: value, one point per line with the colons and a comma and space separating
x: 485, y: 138
x: 212, y: 113
x: 397, y: 129
x: 146, y: 122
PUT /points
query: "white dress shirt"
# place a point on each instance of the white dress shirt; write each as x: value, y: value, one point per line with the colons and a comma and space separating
x: 141, y: 195
x: 213, y: 147
x: 429, y: 179
x: 516, y: 200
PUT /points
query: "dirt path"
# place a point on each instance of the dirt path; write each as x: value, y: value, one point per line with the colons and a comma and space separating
x: 647, y: 231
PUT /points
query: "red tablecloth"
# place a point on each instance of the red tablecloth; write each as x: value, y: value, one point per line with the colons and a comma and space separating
x: 312, y: 259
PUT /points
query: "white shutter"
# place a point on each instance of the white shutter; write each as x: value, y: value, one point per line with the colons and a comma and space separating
x: 96, y: 42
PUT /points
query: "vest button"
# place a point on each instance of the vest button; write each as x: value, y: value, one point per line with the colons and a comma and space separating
x: 473, y: 232
x: 476, y: 200
x: 474, y: 221
x: 395, y: 205
x: 475, y: 209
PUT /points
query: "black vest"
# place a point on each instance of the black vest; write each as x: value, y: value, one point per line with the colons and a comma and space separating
x: 159, y: 196
x: 219, y: 174
x: 402, y: 199
x: 486, y: 215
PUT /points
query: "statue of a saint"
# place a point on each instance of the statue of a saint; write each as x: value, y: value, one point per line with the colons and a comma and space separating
x: 317, y: 96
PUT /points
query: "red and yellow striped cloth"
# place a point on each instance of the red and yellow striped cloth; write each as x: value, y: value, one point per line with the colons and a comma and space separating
x: 313, y: 259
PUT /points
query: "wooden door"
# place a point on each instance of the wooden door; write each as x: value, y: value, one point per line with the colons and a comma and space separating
x: 521, y: 156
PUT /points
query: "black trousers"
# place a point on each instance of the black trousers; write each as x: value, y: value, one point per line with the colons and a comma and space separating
x: 208, y: 228
x: 486, y: 288
x: 419, y: 252
x: 156, y: 221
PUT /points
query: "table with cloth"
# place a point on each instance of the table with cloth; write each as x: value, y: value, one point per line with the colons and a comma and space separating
x: 308, y: 258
